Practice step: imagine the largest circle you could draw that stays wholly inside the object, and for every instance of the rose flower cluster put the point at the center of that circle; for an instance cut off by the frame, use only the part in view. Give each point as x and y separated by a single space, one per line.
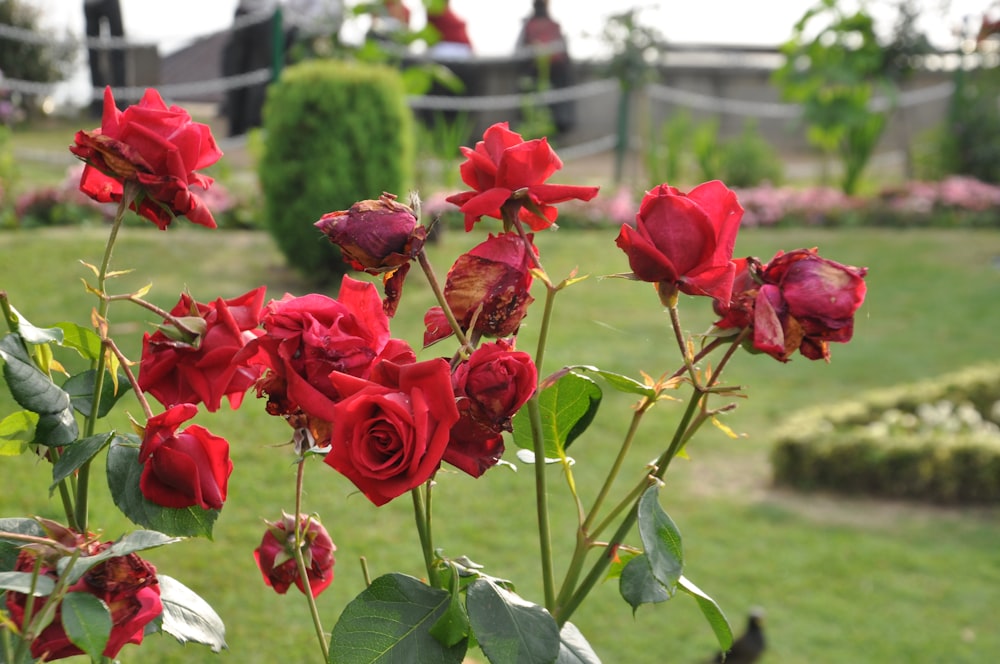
359 397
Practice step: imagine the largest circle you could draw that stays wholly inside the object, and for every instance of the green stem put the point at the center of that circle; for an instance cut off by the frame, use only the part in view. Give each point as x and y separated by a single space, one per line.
619 461
425 265
139 394
423 531
300 562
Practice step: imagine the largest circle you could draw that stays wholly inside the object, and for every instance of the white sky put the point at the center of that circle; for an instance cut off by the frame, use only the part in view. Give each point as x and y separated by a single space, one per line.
493 25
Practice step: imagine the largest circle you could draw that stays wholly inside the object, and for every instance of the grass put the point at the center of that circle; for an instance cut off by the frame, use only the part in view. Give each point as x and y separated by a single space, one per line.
842 580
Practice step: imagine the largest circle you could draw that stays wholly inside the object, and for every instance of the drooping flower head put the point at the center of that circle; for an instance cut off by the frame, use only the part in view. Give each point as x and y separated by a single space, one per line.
158 147
502 167
684 242
799 301
276 555
176 368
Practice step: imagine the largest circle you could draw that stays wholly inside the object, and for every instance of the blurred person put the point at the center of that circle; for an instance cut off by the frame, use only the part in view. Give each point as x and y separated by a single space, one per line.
250 48
103 19
453 42
543 43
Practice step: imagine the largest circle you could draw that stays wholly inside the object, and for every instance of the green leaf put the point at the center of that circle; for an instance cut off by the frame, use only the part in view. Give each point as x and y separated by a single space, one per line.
9 548
619 382
452 627
87 621
638 586
573 648
21 582
81 339
36 335
713 614
661 540
77 454
391 621
80 389
188 617
124 471
16 431
56 429
567 408
137 540
30 388
509 628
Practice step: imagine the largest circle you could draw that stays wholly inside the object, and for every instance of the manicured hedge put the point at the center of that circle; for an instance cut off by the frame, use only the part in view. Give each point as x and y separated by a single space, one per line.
935 441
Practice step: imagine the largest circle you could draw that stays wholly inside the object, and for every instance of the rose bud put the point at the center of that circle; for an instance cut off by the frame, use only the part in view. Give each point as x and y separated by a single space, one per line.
684 242
126 584
377 237
155 146
276 555
186 468
486 289
504 166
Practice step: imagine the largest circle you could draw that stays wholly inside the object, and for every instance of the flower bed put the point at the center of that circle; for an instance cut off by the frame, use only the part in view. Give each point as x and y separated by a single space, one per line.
936 441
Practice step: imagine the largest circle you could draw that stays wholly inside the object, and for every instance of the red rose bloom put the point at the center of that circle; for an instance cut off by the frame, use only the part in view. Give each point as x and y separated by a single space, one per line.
475 445
158 147
126 584
501 165
798 301
182 469
175 369
306 338
390 432
379 237
276 555
685 241
487 288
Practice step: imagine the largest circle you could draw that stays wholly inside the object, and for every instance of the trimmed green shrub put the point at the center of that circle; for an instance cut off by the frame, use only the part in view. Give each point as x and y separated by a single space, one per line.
936 441
336 132
749 160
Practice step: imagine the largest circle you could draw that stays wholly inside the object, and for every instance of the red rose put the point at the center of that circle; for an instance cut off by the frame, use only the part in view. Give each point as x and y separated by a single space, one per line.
487 289
503 164
306 338
158 147
175 369
182 469
497 380
379 237
798 301
126 584
390 432
685 241
276 555
475 445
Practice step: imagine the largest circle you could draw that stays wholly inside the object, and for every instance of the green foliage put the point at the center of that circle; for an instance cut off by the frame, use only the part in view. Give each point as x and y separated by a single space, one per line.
834 74
663 155
931 441
748 160
970 140
336 133
705 146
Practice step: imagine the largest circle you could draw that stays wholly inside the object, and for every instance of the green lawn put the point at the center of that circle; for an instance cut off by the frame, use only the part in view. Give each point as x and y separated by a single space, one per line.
841 580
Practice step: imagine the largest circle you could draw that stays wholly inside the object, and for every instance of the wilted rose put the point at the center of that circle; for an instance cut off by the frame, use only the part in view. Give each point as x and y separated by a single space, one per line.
800 301
685 241
126 584
158 147
487 289
504 164
183 468
389 433
178 369
276 555
379 237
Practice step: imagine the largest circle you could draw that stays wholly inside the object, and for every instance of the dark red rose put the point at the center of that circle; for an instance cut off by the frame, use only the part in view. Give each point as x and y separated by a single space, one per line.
276 555
685 241
307 338
156 146
502 165
799 301
379 237
487 289
126 584
497 380
177 369
186 468
475 445
390 432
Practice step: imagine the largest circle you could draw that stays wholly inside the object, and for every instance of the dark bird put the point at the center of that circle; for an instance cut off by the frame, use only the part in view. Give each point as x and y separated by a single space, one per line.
750 645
